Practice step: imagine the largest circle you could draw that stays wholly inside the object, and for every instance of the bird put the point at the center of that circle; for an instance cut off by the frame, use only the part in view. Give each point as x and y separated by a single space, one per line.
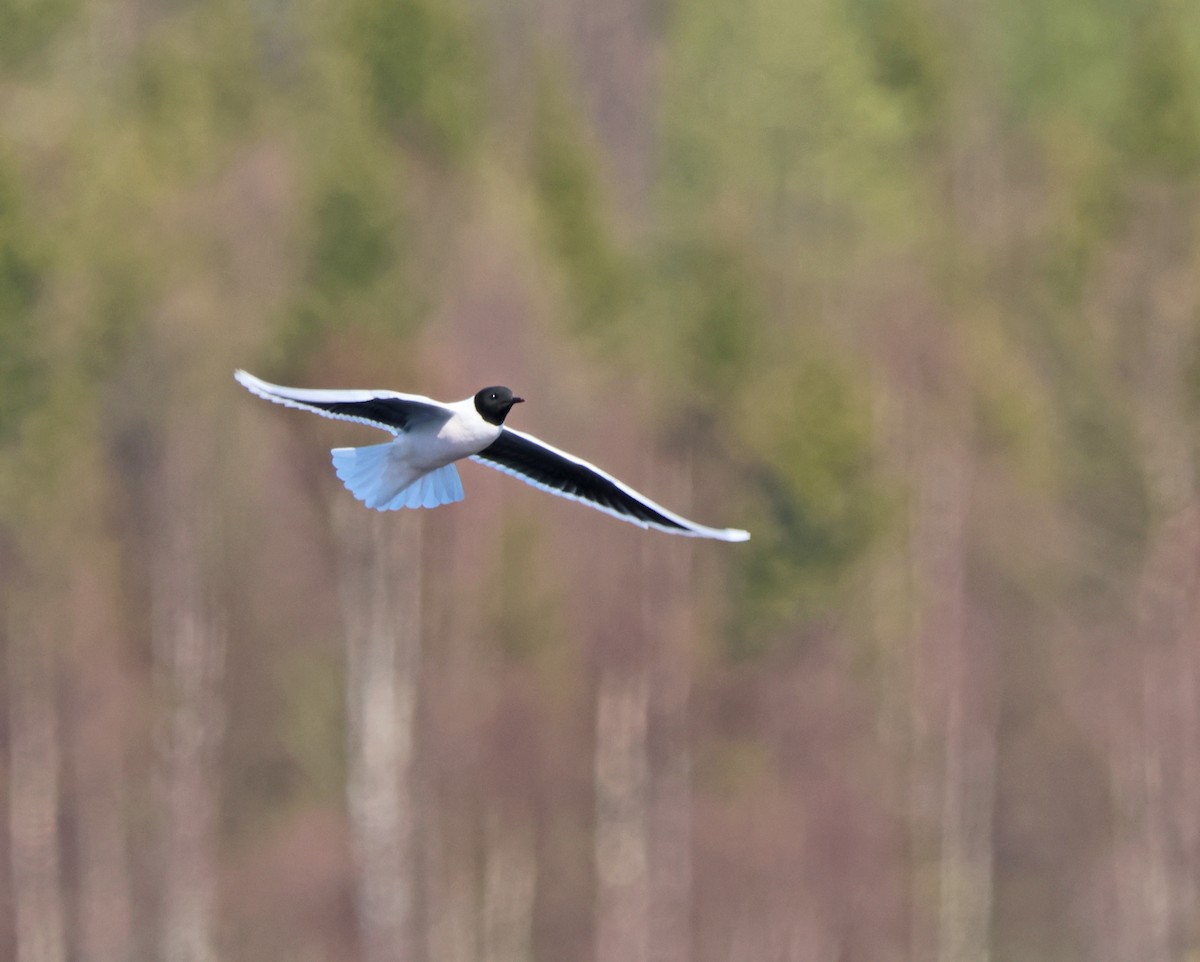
416 468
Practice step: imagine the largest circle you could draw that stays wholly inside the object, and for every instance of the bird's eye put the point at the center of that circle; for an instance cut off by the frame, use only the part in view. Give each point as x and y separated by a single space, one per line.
495 396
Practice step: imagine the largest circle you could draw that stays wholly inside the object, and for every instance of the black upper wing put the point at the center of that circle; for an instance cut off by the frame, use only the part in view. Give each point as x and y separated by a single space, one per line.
550 469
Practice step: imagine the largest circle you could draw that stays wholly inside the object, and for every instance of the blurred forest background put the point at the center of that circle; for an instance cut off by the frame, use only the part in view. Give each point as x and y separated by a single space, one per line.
909 288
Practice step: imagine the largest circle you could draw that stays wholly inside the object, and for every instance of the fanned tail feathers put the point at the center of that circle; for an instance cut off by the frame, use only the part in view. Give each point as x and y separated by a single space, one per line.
381 482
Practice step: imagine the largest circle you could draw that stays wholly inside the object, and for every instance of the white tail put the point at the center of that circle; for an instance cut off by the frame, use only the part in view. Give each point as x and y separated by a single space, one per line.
387 484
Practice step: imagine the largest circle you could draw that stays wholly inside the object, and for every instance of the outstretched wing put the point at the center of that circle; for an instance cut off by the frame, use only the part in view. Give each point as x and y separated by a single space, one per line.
545 467
388 410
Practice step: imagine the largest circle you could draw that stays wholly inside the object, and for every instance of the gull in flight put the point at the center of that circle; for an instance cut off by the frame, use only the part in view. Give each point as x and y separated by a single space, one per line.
416 468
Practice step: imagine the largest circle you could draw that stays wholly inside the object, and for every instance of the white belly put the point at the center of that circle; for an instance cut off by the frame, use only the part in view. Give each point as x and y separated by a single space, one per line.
458 437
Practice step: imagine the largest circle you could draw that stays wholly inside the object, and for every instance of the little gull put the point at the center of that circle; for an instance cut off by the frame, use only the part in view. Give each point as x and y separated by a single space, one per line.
416 468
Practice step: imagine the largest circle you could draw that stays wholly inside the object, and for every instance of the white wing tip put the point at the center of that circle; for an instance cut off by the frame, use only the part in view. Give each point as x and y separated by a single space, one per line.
735 534
250 382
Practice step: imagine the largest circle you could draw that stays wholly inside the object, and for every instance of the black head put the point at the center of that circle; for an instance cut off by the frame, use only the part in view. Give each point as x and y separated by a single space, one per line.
494 403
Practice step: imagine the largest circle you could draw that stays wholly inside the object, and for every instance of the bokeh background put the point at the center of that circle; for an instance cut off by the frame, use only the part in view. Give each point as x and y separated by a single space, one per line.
909 288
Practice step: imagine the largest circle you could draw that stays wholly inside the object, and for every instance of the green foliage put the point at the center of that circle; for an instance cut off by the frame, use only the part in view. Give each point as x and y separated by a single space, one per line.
354 265
27 28
1159 127
1105 486
422 67
572 207
721 340
1093 211
702 323
120 298
22 277
193 86
775 124
786 139
912 53
394 83
353 241
819 498
1054 58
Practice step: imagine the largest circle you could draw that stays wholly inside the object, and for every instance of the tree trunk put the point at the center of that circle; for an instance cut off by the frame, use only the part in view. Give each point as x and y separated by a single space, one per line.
189 655
381 595
1150 294
96 714
954 727
509 883
33 793
968 726
453 899
955 677
616 57
104 910
669 629
969 787
622 823
1155 769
